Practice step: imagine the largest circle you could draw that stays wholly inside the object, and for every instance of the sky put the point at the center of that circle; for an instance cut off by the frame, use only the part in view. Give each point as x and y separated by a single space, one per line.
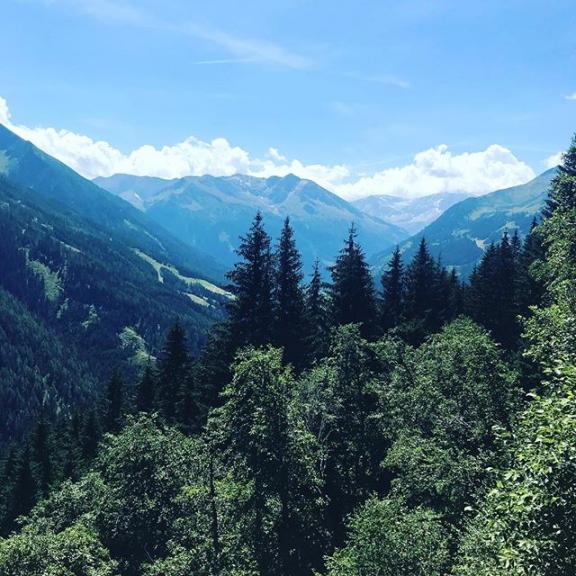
404 97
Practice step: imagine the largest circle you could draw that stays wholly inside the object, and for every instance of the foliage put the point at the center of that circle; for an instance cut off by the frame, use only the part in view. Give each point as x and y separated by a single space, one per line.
389 539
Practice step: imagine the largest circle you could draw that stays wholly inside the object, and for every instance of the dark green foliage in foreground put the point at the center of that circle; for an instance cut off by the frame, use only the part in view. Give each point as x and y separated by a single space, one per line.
398 444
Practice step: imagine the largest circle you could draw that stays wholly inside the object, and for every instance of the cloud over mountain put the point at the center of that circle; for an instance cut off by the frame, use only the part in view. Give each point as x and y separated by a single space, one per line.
432 171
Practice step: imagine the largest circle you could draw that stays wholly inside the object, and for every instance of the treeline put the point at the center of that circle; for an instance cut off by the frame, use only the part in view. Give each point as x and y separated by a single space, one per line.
335 429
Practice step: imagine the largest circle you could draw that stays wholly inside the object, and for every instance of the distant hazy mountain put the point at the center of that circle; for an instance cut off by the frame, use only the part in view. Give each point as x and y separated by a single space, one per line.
460 235
24 164
210 213
411 214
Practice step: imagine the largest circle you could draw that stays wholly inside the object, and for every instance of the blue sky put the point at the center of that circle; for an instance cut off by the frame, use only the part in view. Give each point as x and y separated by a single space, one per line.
345 92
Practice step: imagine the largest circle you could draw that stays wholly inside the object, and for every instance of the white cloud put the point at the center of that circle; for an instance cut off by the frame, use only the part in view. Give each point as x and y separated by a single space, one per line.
554 160
191 157
570 96
434 170
438 170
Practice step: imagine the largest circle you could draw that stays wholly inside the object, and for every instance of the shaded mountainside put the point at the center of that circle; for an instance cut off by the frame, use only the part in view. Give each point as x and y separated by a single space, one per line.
24 164
411 214
210 213
462 233
90 301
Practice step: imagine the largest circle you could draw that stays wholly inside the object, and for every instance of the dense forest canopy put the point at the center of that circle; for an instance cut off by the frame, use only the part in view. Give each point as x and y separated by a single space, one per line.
419 426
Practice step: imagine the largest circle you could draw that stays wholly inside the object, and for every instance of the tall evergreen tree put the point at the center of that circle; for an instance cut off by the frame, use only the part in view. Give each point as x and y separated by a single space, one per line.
393 291
91 432
173 367
530 287
491 298
422 302
23 494
562 196
352 296
114 403
289 333
146 390
251 312
316 317
42 455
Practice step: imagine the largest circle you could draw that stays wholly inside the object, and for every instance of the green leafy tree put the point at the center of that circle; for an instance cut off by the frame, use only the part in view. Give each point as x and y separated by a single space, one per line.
445 399
389 539
74 551
271 453
527 523
341 408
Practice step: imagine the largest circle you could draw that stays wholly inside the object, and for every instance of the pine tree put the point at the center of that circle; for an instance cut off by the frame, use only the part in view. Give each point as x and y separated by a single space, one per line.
393 292
559 232
251 312
562 196
454 301
23 494
289 333
192 409
173 367
41 455
491 298
352 296
91 432
422 302
316 317
146 391
114 403
530 286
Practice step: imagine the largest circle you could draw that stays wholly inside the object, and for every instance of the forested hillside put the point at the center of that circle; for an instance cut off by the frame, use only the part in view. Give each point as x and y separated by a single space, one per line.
419 427
75 302
462 233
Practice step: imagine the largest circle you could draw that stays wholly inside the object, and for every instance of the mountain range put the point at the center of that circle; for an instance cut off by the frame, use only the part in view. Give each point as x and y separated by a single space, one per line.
87 283
211 213
411 214
461 234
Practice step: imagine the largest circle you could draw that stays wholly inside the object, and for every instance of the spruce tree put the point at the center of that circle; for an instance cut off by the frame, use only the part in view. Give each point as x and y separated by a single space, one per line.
23 494
316 317
114 403
192 409
146 391
422 301
91 432
41 455
530 286
173 366
251 312
289 333
562 196
392 292
352 296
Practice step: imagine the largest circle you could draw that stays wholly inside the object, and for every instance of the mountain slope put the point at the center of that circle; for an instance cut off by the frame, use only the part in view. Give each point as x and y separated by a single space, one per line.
210 213
411 214
22 163
460 235
84 303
